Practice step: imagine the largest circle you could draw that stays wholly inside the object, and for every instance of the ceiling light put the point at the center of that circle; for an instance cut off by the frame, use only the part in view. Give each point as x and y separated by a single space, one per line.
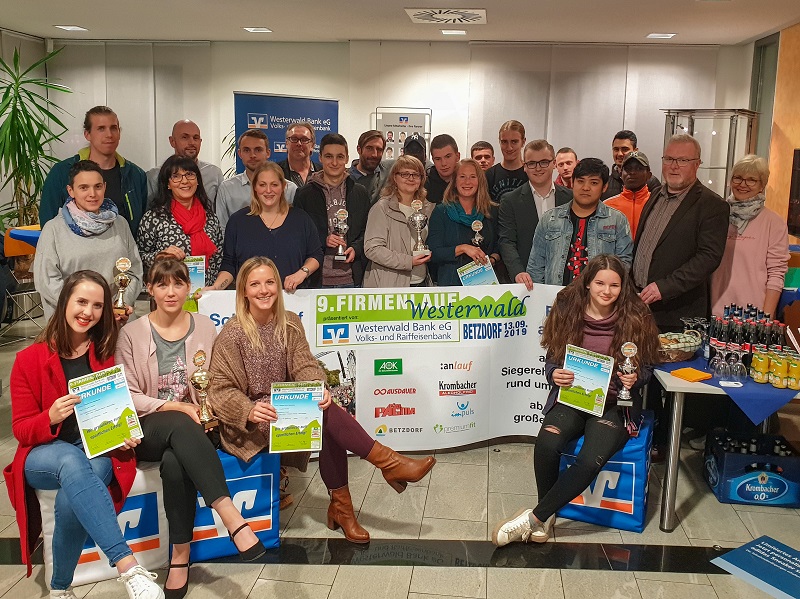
257 29
661 36
453 32
70 28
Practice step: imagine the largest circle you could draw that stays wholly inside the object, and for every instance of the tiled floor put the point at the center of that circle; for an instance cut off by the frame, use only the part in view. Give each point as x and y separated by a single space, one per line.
461 499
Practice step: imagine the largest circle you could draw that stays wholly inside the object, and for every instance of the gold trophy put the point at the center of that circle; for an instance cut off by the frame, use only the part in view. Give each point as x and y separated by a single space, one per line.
418 221
628 350
201 379
477 226
122 281
341 227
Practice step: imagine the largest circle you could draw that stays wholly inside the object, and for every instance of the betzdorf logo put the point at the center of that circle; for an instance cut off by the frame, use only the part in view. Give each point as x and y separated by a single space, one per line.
279 146
380 431
612 489
138 522
334 334
384 367
257 120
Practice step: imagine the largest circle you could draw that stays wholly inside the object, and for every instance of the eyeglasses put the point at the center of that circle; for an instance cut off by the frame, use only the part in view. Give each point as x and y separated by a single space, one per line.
669 161
541 164
299 140
749 181
410 176
176 177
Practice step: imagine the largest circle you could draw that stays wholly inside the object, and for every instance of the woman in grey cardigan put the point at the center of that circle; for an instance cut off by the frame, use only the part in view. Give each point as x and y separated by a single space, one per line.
88 233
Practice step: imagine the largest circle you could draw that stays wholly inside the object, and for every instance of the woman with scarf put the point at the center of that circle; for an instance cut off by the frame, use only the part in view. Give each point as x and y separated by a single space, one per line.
180 220
466 213
88 233
757 250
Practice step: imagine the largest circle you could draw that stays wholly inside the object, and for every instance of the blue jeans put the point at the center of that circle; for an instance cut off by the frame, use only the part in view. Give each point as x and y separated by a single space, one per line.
83 505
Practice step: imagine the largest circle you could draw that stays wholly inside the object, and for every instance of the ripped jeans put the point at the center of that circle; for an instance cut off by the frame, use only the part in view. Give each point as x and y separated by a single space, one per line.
603 437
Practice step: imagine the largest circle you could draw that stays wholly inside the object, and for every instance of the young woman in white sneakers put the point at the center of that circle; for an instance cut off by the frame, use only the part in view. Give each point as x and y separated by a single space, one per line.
79 339
599 311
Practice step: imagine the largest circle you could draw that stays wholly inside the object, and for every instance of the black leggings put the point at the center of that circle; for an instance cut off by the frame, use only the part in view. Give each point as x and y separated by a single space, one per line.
189 463
603 437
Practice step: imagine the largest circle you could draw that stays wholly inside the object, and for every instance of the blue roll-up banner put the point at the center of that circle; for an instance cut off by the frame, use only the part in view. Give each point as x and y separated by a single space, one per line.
272 114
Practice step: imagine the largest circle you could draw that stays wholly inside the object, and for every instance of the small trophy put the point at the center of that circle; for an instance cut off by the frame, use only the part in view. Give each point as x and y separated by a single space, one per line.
201 379
477 226
342 228
122 280
418 221
629 350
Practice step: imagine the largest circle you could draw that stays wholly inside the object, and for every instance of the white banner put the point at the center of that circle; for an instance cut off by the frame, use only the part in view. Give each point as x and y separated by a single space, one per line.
429 368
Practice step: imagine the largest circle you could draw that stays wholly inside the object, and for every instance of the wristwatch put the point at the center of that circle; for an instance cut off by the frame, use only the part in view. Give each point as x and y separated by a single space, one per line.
305 270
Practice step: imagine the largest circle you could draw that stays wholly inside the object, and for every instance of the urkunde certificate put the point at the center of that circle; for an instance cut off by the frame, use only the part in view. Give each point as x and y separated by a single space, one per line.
106 414
592 378
299 424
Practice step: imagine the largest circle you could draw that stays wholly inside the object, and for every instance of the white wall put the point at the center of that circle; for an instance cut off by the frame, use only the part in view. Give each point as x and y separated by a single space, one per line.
577 95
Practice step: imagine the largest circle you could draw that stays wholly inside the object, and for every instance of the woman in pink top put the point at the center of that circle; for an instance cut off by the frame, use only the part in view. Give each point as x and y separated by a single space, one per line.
757 250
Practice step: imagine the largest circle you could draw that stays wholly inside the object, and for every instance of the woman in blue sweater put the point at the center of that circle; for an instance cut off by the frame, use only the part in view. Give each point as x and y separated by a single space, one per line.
452 228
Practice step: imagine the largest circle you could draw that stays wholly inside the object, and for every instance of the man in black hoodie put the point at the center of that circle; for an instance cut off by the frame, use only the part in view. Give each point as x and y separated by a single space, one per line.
445 156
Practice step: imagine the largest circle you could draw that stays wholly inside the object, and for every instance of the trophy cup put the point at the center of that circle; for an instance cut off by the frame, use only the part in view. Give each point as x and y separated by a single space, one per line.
341 227
418 221
629 350
201 379
122 280
477 226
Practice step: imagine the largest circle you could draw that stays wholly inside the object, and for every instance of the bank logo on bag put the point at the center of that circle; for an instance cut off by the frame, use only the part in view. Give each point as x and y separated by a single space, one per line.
257 120
334 334
251 495
612 489
384 367
138 522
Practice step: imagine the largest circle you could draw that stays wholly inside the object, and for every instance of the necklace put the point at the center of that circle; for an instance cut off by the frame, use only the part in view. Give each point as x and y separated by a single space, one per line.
274 220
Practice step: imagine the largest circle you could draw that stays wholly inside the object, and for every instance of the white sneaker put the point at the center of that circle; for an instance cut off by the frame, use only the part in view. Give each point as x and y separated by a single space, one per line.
517 528
140 584
540 533
65 594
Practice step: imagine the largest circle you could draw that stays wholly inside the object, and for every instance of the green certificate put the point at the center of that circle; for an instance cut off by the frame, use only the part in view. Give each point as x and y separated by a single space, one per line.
299 424
592 377
106 414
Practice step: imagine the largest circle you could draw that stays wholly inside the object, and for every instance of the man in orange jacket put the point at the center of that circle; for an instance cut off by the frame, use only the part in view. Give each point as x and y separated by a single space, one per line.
635 174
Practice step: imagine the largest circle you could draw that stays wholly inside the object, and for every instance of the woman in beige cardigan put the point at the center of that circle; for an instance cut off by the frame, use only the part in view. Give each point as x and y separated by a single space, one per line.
157 352
264 344
389 240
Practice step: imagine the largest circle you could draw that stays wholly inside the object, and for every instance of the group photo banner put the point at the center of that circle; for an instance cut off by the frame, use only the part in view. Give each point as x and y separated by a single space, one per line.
273 113
426 368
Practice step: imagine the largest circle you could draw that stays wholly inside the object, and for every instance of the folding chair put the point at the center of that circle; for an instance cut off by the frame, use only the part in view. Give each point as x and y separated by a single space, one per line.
26 302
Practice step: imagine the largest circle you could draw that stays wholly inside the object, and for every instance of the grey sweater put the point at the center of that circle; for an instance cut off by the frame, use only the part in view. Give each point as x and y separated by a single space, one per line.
60 252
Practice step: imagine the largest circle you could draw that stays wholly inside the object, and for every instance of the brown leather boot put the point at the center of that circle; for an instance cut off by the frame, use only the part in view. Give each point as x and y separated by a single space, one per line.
398 470
340 513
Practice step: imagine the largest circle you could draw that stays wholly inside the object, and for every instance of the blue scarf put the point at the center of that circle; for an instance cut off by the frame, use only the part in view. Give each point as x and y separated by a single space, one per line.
455 212
88 224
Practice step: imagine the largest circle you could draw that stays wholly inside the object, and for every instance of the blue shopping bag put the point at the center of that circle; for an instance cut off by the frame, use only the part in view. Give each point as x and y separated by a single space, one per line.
617 498
254 491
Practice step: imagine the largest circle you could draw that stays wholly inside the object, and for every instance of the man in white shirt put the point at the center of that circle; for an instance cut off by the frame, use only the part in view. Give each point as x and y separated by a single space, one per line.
186 141
236 193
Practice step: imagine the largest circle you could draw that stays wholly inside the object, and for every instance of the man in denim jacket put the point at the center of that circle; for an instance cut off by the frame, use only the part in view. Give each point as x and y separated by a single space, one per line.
568 236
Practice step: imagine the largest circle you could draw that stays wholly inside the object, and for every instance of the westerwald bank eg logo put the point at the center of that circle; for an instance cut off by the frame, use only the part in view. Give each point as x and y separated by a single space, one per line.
386 366
257 120
334 334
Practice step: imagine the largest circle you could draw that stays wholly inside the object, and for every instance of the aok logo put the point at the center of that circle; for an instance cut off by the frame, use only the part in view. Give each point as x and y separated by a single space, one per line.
251 495
384 367
612 489
334 334
257 120
380 431
138 522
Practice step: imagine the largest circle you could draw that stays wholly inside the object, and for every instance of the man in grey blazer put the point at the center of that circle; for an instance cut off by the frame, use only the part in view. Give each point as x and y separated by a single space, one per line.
521 209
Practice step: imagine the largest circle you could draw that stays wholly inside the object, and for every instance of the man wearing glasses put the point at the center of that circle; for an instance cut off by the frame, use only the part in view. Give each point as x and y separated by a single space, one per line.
521 208
298 165
186 141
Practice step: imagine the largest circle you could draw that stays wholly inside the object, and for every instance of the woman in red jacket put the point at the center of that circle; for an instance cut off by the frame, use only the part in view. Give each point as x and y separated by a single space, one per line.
79 339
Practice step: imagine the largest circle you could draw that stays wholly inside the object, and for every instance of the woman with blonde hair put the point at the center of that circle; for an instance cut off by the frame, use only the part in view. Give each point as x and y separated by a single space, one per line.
264 344
466 208
389 239
756 254
270 227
